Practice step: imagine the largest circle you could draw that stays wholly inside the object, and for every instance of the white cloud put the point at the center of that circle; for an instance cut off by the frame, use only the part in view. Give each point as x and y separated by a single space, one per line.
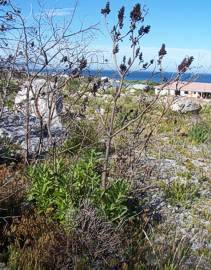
59 12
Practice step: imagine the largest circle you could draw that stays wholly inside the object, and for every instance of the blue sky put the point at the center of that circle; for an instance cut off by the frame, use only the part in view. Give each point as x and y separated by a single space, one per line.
184 26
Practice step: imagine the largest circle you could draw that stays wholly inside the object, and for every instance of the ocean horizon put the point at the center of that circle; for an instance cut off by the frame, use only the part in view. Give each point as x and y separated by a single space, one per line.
147 75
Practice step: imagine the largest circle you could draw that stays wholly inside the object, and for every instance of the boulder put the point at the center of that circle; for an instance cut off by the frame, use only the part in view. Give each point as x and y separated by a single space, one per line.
104 79
184 105
12 126
44 100
13 123
138 86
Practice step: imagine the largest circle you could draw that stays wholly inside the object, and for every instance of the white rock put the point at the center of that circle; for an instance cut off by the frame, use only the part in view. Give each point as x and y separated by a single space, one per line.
184 105
44 100
104 79
138 86
100 111
13 125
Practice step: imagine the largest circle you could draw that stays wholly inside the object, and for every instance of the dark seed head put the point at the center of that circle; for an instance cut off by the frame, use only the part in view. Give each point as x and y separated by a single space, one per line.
121 17
105 11
162 51
136 14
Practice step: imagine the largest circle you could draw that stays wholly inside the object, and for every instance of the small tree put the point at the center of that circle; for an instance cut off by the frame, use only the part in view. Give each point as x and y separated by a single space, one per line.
133 34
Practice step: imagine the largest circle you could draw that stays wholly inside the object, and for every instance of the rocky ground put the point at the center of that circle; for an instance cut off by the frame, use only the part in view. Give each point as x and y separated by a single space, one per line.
179 162
181 175
182 171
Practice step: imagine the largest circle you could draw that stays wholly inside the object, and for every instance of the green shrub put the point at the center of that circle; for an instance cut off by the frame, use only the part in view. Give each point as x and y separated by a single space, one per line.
180 193
84 179
49 188
59 188
199 133
114 201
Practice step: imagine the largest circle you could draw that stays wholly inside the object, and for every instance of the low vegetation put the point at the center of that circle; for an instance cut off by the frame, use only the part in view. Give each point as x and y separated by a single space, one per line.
126 183
199 133
180 193
74 221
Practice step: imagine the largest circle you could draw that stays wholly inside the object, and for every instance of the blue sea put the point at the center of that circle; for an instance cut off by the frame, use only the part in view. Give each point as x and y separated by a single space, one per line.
146 75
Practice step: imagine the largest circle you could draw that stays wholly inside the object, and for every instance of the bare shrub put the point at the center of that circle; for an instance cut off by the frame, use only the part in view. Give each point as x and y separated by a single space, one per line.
139 123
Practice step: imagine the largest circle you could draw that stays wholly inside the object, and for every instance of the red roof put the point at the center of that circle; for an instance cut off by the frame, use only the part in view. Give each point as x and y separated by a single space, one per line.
186 86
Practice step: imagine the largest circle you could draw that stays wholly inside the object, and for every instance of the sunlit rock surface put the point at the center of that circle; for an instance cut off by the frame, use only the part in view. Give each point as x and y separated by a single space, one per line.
45 104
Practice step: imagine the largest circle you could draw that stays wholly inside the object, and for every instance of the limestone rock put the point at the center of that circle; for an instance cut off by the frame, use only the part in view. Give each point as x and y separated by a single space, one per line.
138 86
184 105
44 101
43 95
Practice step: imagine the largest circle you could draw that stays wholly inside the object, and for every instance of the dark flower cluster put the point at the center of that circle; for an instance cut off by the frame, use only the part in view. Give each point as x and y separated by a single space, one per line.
2 28
129 61
121 17
141 57
144 30
3 2
134 34
137 52
162 52
134 41
75 73
82 63
10 58
105 11
123 68
185 64
136 14
9 16
95 87
116 49
64 59
116 34
147 65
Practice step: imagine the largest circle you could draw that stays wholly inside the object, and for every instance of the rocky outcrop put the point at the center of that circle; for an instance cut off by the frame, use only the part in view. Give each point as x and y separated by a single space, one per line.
184 105
12 126
44 99
45 104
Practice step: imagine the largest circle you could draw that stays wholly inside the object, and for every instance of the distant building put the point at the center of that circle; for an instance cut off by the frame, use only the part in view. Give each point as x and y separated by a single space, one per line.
186 89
